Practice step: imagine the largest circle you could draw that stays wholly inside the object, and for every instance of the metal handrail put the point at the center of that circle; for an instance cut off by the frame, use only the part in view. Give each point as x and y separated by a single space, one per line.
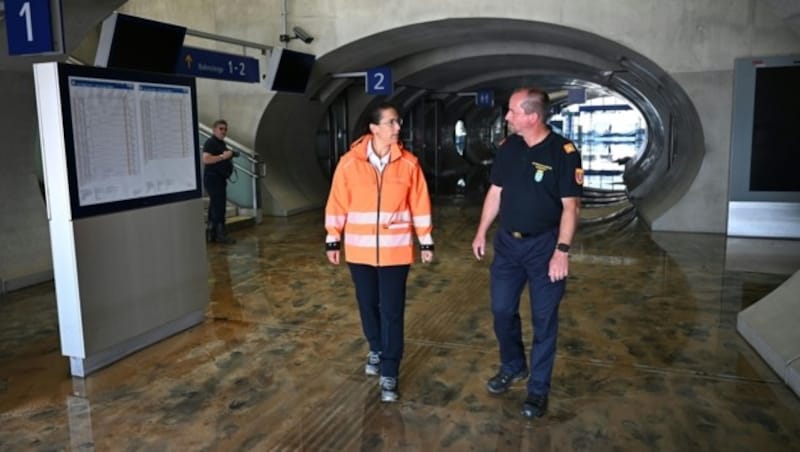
214 37
208 131
256 171
246 171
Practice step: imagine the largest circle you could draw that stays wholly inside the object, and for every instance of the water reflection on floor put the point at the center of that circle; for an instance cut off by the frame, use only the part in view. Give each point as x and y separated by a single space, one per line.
648 357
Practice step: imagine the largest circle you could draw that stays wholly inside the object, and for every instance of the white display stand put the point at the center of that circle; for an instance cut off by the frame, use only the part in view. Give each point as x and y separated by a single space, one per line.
134 273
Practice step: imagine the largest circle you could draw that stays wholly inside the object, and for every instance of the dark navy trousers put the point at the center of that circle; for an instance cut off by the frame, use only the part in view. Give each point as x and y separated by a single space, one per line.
381 295
217 198
517 261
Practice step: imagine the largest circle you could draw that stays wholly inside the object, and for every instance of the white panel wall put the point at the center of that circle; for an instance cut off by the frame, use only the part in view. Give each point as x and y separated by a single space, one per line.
125 279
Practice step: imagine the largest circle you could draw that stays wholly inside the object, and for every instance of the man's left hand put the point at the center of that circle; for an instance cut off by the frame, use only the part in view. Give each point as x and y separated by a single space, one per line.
559 266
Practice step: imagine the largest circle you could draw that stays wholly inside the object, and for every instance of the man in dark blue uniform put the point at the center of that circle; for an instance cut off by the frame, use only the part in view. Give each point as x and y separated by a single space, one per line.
536 184
218 166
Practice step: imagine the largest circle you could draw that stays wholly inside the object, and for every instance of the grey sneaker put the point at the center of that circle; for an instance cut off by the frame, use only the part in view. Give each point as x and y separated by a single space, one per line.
388 389
373 366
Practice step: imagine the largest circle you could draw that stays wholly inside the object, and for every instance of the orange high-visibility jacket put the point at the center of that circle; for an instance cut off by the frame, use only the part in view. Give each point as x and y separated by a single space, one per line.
377 212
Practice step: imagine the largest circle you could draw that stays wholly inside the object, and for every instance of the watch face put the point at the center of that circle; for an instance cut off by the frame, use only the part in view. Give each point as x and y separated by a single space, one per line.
563 247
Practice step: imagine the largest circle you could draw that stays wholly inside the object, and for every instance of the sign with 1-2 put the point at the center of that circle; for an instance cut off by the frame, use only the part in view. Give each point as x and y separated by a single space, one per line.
29 26
379 81
211 64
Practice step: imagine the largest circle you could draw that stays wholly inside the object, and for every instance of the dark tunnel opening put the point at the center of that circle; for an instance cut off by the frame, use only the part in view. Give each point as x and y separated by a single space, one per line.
437 65
456 138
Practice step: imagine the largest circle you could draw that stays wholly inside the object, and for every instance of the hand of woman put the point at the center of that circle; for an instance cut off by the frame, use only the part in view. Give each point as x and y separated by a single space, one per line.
333 256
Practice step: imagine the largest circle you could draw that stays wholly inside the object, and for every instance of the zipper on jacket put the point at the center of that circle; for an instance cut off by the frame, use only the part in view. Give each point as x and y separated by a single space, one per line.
379 176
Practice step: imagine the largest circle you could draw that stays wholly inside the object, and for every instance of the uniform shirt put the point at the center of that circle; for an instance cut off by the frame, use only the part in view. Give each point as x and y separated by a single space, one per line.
534 179
215 146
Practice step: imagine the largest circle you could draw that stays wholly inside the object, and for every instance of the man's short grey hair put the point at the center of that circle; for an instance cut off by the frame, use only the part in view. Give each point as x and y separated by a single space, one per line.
536 101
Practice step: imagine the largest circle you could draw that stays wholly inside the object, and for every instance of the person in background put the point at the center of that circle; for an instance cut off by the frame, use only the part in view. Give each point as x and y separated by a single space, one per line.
378 199
536 184
217 167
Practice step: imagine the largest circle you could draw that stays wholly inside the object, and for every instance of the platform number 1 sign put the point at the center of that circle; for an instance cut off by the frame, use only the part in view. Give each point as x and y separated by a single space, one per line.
30 26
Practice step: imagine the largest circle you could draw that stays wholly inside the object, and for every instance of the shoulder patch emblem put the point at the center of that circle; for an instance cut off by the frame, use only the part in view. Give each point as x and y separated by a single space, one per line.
569 148
579 176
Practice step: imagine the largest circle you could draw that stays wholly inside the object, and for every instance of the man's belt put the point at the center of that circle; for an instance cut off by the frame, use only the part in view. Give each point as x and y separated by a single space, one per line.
520 235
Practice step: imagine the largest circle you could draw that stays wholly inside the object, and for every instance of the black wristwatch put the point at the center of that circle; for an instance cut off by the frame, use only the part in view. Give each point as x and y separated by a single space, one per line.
563 247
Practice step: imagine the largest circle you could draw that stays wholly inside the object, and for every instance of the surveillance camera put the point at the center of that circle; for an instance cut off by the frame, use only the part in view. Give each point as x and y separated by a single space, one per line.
303 35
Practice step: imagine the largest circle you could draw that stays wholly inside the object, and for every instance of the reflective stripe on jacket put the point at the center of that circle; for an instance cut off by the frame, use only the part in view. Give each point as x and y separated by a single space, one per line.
378 212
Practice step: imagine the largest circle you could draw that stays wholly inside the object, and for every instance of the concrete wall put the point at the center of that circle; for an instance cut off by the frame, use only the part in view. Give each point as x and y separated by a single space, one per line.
242 104
24 238
695 41
704 207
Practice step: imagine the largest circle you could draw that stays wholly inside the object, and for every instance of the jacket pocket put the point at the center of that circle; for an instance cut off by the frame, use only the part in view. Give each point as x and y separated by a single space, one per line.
398 226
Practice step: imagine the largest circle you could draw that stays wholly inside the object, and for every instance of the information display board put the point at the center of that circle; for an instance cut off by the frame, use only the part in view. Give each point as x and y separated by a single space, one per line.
130 139
764 156
130 42
288 71
764 192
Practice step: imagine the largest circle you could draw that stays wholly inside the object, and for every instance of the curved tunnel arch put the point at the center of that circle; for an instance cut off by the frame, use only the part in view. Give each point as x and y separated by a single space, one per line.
500 54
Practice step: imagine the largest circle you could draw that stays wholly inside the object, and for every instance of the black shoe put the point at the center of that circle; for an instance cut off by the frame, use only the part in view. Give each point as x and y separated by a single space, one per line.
221 236
534 406
503 380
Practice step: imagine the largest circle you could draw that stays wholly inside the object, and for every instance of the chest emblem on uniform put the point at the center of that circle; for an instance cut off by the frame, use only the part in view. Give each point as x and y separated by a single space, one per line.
540 170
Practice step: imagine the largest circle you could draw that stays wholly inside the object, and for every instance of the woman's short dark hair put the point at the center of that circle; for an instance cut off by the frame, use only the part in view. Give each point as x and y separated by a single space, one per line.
374 116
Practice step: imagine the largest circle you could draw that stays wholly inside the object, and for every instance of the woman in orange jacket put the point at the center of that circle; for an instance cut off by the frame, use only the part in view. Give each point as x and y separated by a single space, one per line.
378 198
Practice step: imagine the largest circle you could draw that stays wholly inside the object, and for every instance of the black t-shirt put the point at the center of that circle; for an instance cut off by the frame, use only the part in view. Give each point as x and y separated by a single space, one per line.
534 179
215 146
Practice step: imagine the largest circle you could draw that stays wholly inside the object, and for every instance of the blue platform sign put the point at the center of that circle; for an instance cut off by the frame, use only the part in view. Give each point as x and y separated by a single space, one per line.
484 98
379 81
224 66
29 26
576 96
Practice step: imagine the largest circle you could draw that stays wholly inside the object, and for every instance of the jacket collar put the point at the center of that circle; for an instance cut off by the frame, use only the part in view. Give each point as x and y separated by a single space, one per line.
359 148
